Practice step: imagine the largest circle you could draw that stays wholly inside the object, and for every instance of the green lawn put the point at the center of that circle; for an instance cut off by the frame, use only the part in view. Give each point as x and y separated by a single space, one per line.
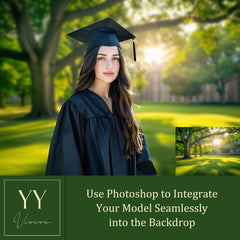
24 144
209 165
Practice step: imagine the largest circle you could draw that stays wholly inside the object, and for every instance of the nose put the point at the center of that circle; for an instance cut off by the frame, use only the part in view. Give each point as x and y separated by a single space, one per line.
110 64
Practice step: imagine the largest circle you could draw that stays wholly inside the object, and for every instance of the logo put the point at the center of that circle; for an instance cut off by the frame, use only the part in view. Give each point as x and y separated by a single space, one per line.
32 207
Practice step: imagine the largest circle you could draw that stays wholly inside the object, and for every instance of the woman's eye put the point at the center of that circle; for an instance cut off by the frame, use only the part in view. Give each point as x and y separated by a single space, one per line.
100 58
116 59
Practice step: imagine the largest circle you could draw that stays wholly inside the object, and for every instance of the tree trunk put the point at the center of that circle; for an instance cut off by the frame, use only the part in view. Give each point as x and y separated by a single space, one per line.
22 97
221 90
200 149
187 154
195 149
186 141
42 90
222 97
2 105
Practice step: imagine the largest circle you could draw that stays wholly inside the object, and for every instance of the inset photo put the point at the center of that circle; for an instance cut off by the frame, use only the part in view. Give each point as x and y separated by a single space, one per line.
204 151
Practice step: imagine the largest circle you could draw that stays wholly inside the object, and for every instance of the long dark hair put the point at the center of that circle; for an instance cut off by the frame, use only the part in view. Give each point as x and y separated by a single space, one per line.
121 94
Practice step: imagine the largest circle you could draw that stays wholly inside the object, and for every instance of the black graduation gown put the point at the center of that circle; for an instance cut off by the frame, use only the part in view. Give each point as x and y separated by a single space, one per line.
88 140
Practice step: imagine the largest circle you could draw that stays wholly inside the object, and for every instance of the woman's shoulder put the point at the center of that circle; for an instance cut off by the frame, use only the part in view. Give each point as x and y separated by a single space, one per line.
78 98
87 104
78 102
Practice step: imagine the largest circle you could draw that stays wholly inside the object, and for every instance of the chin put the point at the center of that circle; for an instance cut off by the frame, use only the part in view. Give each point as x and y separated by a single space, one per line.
109 80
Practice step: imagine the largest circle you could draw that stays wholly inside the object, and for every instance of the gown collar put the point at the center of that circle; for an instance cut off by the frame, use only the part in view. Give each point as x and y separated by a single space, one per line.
106 107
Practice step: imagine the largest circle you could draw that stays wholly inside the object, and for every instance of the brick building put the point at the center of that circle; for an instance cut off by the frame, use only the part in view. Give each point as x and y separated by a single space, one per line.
156 90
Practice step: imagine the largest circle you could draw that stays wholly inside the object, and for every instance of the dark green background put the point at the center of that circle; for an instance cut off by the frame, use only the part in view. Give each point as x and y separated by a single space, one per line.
82 220
48 212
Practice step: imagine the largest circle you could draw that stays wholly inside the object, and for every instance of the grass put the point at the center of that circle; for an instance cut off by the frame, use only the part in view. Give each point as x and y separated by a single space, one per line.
209 165
24 144
159 120
13 111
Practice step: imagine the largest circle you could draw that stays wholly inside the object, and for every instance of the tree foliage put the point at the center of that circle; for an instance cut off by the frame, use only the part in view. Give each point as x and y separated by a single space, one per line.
188 137
211 55
231 143
40 29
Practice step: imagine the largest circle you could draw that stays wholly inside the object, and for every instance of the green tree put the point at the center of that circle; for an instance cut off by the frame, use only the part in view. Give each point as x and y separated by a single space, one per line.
22 86
7 81
232 142
39 27
15 76
210 56
184 73
200 146
189 136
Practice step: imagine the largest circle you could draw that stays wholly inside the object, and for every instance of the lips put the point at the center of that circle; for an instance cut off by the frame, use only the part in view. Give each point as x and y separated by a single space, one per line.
108 74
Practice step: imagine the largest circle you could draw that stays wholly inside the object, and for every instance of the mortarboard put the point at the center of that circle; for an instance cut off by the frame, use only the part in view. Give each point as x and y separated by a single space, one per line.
106 32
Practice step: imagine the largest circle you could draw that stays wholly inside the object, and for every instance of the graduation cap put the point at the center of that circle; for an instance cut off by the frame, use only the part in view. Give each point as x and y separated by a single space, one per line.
106 32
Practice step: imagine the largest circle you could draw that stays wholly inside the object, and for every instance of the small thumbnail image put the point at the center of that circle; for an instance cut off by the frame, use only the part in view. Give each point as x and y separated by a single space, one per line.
204 151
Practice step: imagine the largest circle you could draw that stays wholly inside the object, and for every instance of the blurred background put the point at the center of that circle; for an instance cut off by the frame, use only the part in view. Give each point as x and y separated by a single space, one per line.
186 74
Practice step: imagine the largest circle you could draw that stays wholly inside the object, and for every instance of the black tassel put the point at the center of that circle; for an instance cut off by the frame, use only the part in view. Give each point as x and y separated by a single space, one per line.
134 51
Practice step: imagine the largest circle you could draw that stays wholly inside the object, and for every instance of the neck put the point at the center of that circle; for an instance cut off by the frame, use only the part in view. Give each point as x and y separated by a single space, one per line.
101 88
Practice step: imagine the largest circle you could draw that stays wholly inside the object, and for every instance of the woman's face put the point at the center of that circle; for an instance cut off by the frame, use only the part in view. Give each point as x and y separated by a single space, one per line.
107 64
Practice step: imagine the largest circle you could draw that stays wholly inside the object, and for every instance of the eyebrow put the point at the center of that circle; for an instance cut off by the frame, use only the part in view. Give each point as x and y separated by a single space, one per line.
117 54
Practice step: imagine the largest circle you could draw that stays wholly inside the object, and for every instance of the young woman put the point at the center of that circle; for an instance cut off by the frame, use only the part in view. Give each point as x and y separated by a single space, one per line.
96 132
